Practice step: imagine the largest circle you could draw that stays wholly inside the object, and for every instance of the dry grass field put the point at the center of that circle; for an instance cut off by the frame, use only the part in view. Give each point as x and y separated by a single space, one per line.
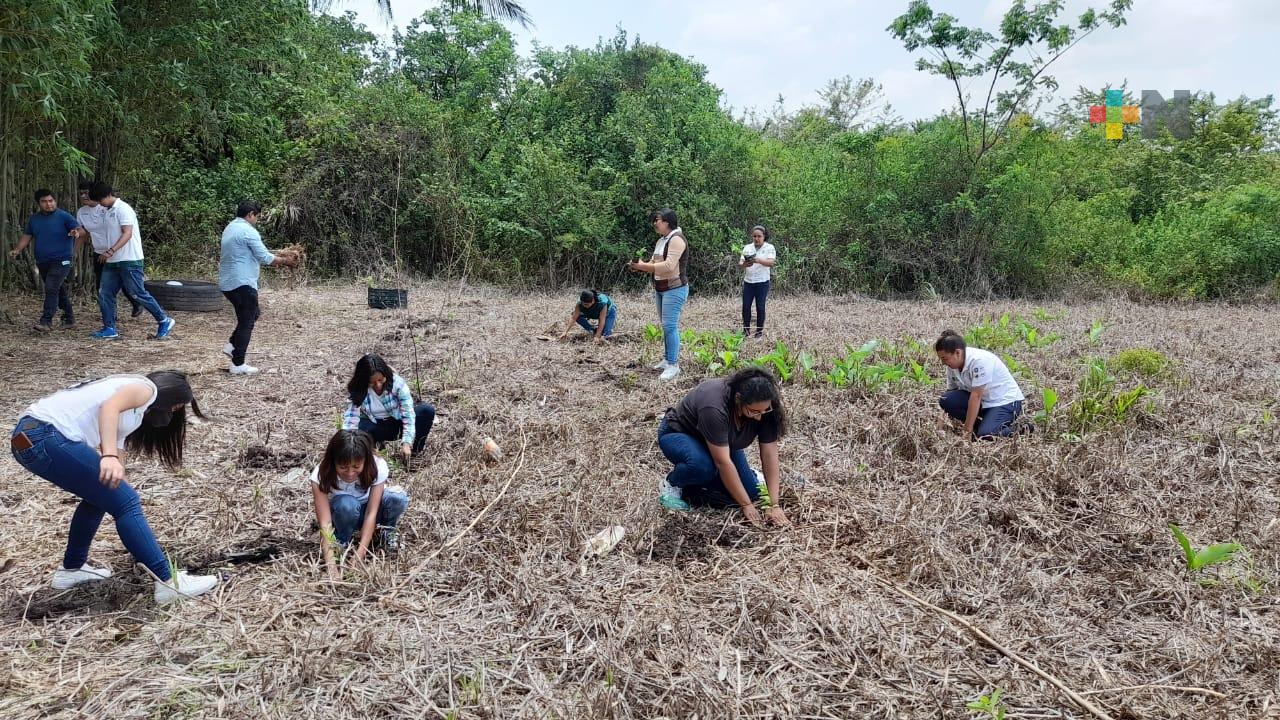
909 546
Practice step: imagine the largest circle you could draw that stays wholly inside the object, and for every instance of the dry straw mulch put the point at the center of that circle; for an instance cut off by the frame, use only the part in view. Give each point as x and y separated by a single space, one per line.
1057 551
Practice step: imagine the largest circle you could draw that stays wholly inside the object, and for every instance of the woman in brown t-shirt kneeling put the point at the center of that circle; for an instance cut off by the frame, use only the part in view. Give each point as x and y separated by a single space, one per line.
705 436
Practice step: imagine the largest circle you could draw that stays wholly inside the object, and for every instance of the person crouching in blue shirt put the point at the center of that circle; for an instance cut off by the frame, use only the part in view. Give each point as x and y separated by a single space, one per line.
242 256
57 246
595 313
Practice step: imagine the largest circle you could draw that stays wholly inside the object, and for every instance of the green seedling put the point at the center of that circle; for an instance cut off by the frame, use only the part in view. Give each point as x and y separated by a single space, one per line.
1049 401
1198 559
1034 337
1014 366
652 333
919 374
1100 405
781 360
808 366
1095 332
989 706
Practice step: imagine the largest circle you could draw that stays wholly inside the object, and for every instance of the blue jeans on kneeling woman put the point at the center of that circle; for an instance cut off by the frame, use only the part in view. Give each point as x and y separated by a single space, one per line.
696 474
609 318
998 421
348 512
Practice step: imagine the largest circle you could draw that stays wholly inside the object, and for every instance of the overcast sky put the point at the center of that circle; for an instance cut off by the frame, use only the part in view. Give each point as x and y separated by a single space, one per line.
756 50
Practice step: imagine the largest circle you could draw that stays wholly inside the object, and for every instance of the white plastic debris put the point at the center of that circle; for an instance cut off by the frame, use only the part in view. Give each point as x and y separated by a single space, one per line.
605 541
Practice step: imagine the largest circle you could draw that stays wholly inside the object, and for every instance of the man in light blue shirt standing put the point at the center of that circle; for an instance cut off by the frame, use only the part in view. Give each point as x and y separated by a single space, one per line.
243 254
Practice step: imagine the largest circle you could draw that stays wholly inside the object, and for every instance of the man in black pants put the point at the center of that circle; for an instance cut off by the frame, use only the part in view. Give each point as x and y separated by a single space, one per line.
52 228
243 254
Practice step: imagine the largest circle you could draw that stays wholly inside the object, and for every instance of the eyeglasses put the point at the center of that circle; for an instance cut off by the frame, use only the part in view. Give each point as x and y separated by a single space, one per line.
757 414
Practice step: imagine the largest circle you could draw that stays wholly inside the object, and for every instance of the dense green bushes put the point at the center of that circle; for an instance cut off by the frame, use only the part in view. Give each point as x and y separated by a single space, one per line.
446 153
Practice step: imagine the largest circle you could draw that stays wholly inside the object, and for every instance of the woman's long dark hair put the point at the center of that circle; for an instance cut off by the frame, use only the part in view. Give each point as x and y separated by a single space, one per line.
163 432
348 446
365 368
755 384
593 295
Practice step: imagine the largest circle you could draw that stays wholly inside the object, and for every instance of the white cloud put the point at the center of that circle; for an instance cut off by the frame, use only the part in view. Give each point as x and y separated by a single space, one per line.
757 49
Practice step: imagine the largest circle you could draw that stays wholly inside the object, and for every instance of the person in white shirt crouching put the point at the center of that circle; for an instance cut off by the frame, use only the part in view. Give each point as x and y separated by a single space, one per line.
981 392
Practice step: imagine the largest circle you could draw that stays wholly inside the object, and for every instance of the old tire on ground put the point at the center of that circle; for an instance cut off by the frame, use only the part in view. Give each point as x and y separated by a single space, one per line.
190 296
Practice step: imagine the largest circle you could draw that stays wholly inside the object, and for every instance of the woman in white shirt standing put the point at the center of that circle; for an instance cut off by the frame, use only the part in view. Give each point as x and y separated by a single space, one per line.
757 257
981 392
76 440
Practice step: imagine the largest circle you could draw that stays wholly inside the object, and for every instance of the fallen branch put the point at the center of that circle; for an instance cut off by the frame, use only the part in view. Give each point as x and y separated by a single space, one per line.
1175 688
412 574
977 632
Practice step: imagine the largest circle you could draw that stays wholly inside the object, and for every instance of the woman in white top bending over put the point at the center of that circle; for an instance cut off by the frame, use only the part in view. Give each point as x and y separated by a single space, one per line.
981 392
76 439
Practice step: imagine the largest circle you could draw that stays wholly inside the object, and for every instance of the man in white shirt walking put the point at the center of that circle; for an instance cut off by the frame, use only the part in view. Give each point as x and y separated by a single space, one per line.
90 217
122 263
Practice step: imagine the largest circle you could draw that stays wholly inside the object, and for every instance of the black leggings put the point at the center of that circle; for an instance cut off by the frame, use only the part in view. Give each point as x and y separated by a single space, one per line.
757 293
383 431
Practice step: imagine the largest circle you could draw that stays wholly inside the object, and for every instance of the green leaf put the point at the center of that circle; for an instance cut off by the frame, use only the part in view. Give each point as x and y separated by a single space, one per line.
1220 552
1050 397
1187 552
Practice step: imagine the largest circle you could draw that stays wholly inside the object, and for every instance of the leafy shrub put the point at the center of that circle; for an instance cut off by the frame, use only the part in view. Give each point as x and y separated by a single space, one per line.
1100 404
1141 361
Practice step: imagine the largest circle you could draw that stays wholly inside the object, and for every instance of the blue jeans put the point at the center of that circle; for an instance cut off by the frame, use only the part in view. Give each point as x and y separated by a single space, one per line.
757 293
73 466
56 278
384 431
670 303
609 319
695 473
115 277
992 422
348 513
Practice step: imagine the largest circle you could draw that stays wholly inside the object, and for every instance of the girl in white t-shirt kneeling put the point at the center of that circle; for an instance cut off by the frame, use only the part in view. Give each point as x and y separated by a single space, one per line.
981 392
351 493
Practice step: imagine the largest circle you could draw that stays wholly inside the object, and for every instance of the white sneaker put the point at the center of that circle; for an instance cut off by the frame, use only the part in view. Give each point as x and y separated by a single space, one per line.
670 372
245 369
662 365
228 349
64 578
183 586
670 497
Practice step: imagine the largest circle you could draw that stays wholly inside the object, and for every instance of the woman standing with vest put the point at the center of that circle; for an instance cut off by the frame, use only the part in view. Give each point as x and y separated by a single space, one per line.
669 266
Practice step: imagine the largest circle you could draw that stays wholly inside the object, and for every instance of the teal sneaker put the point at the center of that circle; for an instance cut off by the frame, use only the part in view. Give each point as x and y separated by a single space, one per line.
670 497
